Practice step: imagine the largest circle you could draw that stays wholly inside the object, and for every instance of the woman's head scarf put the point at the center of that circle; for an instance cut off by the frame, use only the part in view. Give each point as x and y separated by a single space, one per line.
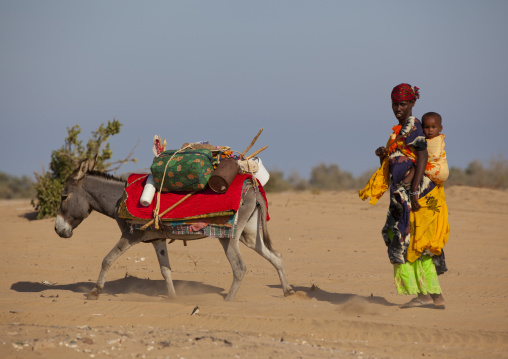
405 92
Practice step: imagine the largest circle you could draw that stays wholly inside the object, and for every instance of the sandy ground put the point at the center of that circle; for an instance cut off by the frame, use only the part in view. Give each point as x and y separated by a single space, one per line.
345 304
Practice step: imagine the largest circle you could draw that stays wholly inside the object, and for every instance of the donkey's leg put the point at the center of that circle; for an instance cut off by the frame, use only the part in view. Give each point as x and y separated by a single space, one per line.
231 246
252 237
120 248
237 264
162 255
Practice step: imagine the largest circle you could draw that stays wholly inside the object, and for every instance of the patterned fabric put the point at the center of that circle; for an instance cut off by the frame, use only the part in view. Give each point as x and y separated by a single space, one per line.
405 92
216 227
437 165
417 277
404 146
212 231
182 170
396 231
403 153
440 263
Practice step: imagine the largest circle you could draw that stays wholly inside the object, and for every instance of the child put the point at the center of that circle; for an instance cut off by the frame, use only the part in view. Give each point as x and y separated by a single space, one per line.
437 166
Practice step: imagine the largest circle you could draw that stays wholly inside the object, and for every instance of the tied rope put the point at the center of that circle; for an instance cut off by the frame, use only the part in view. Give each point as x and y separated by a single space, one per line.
249 170
157 216
156 212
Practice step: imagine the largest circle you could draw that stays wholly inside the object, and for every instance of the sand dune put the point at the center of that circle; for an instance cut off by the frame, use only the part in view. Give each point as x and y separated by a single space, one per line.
345 304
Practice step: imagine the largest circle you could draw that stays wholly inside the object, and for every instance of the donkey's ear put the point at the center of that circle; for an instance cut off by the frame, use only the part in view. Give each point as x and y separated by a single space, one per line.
81 171
92 162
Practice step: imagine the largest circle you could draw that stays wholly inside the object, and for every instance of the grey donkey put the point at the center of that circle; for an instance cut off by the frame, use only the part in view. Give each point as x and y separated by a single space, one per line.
88 190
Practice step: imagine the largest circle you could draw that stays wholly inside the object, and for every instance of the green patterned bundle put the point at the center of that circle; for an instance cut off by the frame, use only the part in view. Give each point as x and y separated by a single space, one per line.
185 170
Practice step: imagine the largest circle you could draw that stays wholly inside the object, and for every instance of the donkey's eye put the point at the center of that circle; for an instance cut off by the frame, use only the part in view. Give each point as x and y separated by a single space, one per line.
64 197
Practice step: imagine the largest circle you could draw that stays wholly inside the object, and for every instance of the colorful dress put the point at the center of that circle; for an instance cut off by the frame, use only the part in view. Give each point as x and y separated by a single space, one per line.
414 240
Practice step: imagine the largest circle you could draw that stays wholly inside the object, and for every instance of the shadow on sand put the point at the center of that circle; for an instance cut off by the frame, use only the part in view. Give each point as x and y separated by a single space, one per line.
338 298
157 288
31 216
127 285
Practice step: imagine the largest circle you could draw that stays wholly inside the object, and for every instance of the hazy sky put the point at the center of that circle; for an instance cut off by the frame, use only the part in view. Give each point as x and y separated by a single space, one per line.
316 75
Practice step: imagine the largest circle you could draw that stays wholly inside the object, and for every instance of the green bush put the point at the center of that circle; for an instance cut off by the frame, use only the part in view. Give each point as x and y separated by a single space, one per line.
64 161
48 191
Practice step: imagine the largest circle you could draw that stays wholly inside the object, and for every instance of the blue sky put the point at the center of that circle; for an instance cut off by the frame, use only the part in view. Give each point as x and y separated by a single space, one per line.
316 75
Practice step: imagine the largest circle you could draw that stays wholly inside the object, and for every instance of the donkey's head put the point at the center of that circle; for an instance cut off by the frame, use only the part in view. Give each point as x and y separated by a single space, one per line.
74 205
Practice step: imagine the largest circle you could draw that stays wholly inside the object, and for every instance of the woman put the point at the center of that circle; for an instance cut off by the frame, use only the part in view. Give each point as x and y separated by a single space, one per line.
416 227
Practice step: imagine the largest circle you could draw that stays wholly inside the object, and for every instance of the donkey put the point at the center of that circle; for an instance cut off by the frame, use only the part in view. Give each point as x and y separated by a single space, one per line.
89 190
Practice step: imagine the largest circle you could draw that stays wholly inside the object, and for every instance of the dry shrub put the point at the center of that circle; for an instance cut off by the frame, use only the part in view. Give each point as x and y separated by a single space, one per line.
494 175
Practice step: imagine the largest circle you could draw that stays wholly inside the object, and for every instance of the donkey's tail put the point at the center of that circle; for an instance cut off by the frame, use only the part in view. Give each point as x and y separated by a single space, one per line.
262 224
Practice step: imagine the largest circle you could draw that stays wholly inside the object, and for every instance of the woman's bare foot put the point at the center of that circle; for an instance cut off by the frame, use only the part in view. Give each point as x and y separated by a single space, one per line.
439 302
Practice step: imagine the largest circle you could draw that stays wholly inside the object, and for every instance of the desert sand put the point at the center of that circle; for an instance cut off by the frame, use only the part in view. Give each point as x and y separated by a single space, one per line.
345 304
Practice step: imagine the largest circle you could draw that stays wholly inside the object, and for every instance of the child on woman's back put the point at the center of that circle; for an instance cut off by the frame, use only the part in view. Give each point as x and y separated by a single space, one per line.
437 166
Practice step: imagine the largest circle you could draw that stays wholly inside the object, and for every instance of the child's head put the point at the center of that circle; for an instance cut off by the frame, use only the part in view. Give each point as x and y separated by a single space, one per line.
431 123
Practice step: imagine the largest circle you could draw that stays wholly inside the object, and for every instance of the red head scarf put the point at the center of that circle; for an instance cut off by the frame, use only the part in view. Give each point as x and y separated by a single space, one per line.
405 92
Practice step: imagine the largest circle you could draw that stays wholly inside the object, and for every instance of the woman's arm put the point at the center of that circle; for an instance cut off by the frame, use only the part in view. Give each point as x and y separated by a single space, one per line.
421 163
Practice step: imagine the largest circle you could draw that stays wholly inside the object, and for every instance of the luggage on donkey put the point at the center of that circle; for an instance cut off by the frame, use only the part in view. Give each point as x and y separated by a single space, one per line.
182 170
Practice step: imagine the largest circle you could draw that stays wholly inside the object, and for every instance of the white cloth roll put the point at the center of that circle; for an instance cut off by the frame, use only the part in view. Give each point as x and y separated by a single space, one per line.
148 192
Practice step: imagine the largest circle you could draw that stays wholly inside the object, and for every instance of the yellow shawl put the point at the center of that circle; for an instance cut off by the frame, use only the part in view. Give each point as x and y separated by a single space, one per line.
379 182
429 226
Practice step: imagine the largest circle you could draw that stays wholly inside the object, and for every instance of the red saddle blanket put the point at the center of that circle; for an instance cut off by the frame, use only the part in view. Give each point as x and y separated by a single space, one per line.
206 203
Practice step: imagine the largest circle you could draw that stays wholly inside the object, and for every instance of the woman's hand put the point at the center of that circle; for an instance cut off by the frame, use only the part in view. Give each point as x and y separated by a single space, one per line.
413 197
381 152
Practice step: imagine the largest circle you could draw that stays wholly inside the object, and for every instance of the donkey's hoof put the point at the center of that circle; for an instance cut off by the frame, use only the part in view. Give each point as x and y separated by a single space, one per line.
93 295
289 292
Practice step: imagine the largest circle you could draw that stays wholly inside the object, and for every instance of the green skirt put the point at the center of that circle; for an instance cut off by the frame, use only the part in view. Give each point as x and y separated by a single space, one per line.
417 277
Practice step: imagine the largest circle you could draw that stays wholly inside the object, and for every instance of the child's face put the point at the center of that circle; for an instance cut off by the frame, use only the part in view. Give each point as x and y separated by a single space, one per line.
431 127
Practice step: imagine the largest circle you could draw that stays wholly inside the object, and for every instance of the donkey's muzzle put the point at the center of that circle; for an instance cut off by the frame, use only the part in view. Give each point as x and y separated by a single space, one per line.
62 228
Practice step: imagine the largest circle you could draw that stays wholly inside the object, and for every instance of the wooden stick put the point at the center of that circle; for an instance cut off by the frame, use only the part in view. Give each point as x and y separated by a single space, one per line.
258 151
169 209
253 142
